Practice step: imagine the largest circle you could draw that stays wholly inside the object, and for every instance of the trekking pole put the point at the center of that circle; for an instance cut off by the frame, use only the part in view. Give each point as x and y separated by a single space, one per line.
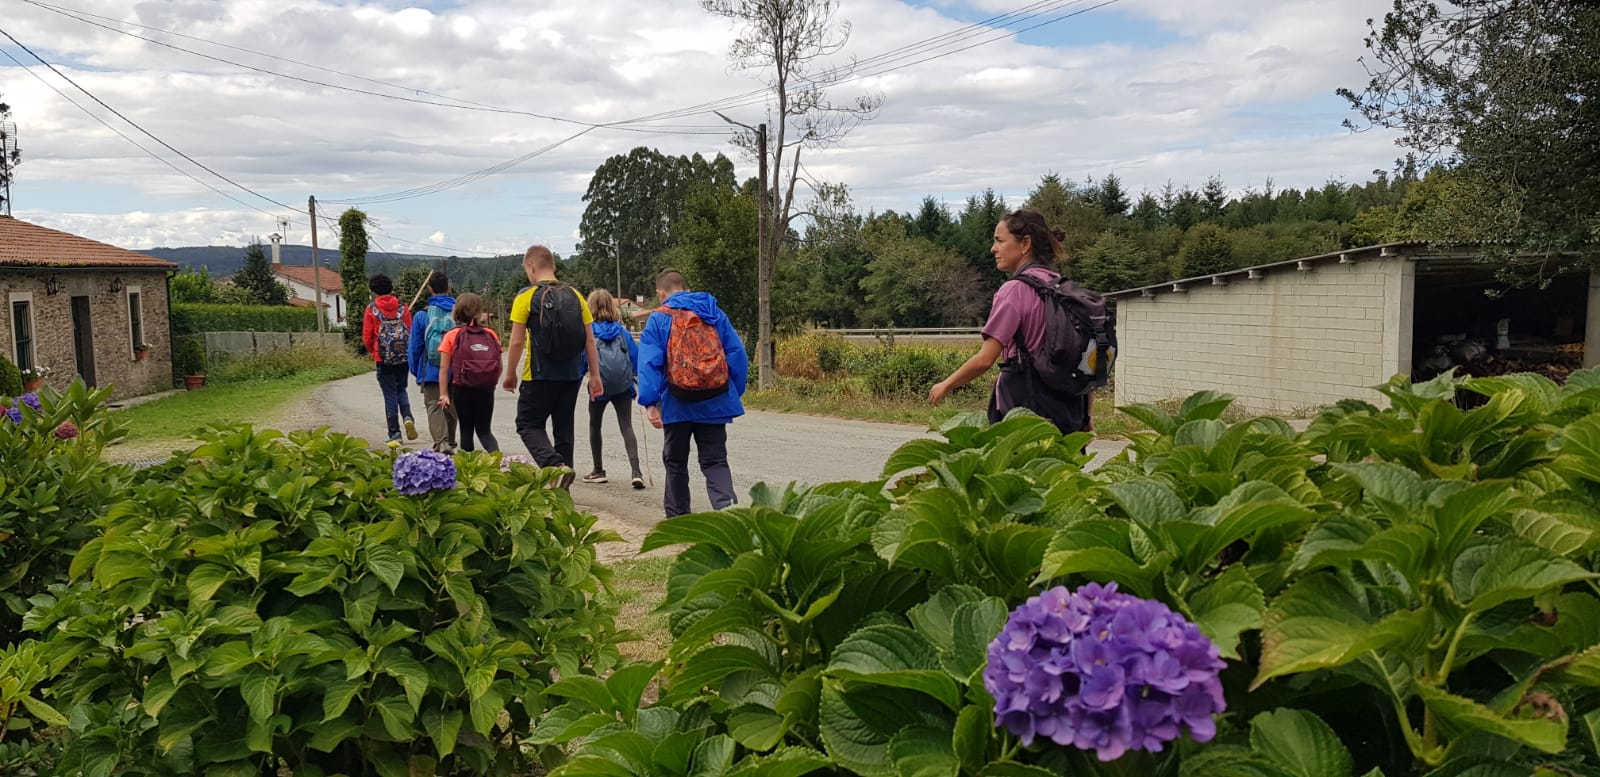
644 438
424 285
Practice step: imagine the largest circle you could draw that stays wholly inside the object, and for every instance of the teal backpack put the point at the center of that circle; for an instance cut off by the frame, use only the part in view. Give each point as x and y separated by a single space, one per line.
439 322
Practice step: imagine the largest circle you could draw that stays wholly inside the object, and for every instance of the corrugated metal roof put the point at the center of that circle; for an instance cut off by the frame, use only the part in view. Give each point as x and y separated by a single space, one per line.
1385 251
29 245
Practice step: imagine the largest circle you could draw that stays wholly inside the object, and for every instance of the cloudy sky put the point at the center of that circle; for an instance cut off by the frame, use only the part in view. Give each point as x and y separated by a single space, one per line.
1153 90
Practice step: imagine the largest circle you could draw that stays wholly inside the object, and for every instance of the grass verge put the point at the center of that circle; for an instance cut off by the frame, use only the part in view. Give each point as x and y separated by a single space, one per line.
641 587
234 395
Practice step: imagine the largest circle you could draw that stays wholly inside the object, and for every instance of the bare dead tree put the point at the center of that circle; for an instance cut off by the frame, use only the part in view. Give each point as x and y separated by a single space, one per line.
789 43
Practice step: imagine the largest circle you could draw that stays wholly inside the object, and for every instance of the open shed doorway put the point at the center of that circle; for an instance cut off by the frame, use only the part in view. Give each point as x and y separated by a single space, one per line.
1465 319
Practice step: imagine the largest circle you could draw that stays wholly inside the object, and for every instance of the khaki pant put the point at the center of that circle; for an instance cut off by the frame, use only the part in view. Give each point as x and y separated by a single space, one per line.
441 420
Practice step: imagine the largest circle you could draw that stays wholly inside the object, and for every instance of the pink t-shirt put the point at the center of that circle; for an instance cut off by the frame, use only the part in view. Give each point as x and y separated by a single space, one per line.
1017 306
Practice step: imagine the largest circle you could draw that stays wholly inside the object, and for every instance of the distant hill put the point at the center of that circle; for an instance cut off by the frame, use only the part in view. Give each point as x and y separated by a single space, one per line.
469 272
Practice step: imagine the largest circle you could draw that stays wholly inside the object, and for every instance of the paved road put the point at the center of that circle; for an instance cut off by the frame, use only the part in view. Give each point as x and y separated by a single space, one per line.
775 448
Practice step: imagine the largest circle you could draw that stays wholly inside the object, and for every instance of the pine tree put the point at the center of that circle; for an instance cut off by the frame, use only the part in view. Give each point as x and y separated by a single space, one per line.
1112 199
255 278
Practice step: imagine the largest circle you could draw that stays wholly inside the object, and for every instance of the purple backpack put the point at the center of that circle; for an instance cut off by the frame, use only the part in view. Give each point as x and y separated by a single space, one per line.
1080 337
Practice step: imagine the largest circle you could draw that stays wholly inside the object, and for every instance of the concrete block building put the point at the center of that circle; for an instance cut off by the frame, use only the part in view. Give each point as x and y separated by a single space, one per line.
81 307
1294 336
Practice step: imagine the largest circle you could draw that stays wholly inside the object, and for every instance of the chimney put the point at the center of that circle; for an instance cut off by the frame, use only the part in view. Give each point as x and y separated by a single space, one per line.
277 259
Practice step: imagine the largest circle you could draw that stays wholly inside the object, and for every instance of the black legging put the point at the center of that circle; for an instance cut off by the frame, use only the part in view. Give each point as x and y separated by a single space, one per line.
474 411
623 403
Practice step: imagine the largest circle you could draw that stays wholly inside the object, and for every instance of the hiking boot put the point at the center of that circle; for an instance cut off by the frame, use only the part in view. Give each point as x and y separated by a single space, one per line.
638 482
411 429
596 476
565 481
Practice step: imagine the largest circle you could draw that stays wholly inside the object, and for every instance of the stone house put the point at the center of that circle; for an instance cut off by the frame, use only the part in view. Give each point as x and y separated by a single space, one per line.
301 278
79 307
1294 336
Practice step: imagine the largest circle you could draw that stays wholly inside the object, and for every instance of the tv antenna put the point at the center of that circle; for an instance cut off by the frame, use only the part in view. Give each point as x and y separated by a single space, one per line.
8 152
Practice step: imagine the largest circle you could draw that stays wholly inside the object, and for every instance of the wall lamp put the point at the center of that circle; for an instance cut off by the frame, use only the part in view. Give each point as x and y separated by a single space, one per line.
52 285
116 284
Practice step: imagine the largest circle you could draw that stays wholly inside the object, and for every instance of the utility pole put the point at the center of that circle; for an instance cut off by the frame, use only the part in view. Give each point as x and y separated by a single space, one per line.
316 268
766 260
765 265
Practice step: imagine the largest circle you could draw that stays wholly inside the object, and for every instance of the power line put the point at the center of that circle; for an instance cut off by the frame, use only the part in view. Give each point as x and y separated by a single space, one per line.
124 136
467 106
136 125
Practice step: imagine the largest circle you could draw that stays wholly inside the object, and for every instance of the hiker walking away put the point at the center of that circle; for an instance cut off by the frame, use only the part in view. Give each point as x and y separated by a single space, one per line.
1057 338
386 332
692 371
469 366
619 363
551 320
428 329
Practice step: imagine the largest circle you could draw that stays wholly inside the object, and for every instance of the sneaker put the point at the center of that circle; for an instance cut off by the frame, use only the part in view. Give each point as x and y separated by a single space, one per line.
638 482
565 481
411 429
595 477
395 438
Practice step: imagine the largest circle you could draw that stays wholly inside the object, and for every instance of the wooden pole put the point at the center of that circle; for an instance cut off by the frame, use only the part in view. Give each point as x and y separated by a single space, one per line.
424 285
765 264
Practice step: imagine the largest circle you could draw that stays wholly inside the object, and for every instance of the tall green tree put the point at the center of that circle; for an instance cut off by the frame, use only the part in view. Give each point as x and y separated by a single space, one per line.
1111 197
634 201
10 157
1206 250
911 282
976 229
353 246
257 281
193 285
1112 263
789 42
1508 91
715 248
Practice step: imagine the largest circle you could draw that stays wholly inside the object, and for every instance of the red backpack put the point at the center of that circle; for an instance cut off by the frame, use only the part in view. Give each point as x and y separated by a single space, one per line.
476 361
697 369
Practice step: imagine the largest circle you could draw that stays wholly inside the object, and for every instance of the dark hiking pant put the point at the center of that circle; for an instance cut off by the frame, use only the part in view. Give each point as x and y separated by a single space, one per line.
474 410
623 404
711 443
396 405
550 401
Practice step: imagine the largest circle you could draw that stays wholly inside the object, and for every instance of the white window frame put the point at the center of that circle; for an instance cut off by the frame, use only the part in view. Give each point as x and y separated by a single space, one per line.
127 305
33 324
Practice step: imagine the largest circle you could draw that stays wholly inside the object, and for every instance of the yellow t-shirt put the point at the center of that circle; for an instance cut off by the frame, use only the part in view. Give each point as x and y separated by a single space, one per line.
522 310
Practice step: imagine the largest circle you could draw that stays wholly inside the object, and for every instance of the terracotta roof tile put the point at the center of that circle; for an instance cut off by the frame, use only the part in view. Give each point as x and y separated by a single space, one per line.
302 273
29 245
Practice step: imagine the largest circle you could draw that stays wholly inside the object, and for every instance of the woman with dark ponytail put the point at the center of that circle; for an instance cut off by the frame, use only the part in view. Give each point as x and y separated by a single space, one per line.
1023 243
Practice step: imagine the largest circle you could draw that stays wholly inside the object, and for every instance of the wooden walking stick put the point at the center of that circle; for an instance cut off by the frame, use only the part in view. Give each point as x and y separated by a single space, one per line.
424 285
644 439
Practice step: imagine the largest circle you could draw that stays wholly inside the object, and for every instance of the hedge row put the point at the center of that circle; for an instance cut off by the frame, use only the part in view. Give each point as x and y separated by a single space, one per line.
195 318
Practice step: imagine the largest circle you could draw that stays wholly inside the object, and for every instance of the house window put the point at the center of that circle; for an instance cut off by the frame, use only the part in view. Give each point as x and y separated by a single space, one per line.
135 318
22 330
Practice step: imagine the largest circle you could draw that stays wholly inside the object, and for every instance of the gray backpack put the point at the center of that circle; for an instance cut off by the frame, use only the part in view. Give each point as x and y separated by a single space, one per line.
616 369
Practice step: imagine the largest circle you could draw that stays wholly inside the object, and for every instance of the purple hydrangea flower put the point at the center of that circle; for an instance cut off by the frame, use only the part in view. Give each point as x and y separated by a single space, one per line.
1104 671
66 431
13 414
31 400
423 471
515 458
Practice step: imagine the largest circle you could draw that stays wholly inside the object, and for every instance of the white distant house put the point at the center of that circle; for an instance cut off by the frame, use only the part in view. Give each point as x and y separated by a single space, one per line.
303 293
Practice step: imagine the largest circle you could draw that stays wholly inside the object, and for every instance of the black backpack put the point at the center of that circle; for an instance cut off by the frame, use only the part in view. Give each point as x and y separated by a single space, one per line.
1080 337
556 321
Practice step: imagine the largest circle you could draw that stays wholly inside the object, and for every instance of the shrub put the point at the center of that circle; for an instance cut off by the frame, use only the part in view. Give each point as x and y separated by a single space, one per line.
191 357
10 378
907 372
268 603
53 485
193 319
1407 591
286 362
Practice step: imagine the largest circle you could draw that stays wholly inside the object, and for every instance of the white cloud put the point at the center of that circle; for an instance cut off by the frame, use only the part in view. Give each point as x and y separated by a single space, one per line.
1229 97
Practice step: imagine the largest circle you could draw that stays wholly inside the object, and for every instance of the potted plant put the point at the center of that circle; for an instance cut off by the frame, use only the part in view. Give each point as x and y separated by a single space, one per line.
141 350
33 377
192 364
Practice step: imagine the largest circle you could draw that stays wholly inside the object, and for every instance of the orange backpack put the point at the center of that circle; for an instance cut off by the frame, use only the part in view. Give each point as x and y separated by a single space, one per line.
697 369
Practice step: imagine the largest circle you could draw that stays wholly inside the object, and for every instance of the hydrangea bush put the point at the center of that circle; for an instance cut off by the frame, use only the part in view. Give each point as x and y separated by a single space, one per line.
419 472
1104 671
